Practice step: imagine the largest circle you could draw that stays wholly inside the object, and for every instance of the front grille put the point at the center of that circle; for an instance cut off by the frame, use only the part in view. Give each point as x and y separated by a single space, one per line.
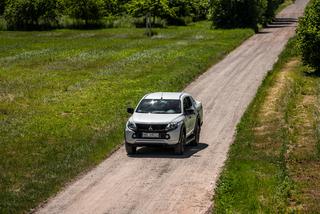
151 127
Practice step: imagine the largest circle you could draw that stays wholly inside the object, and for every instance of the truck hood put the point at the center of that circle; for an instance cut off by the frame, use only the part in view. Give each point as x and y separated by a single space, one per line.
154 118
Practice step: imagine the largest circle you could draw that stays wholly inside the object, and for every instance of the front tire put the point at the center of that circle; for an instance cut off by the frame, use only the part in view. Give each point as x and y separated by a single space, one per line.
130 149
179 148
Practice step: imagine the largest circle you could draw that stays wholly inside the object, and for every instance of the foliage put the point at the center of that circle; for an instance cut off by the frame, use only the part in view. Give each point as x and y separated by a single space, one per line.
24 14
154 8
30 14
115 7
195 9
2 6
270 10
242 13
309 35
88 10
234 13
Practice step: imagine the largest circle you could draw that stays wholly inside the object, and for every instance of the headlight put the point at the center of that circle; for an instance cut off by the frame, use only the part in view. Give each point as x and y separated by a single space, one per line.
172 126
132 126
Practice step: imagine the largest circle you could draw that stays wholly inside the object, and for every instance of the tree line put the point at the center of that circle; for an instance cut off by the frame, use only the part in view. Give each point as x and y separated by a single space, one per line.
31 14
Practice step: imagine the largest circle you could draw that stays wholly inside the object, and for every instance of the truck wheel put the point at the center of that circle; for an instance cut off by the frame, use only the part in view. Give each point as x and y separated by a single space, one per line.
179 148
197 130
130 149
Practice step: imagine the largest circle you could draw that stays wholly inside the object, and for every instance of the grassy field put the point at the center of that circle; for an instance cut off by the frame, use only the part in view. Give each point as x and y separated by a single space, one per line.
64 93
273 166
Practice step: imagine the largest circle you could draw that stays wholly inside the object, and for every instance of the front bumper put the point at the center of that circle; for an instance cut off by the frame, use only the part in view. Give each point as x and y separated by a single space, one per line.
138 141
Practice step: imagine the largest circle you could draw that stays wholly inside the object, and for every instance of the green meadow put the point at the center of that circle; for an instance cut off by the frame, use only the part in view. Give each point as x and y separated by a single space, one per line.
64 93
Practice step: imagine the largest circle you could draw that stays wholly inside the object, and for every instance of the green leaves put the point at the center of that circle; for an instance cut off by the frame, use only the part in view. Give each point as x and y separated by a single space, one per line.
242 13
32 14
309 35
25 14
159 8
88 10
2 6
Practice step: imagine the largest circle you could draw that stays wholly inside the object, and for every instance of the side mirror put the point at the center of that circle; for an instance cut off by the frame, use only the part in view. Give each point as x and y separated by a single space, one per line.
130 110
190 111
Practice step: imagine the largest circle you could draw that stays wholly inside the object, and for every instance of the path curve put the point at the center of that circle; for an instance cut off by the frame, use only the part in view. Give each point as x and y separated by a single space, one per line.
157 182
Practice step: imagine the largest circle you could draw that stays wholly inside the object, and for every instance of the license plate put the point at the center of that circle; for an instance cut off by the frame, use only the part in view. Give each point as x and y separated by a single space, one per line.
150 135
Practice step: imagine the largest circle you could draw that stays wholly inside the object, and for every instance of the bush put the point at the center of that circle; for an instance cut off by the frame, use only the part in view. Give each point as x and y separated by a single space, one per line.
270 10
234 13
243 13
90 11
308 33
2 6
186 11
155 8
115 7
30 14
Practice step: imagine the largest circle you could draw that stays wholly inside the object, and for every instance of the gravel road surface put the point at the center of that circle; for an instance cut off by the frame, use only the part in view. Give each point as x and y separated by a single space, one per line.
155 180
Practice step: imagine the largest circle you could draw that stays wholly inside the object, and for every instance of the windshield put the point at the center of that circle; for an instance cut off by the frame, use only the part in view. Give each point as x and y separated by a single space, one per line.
159 106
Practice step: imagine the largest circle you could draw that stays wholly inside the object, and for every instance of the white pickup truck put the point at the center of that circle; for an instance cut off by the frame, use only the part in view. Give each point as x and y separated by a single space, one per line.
164 118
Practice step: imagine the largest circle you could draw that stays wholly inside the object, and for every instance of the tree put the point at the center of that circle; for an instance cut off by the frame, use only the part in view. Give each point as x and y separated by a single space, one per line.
115 7
2 6
270 10
194 9
28 14
156 8
234 13
308 33
87 10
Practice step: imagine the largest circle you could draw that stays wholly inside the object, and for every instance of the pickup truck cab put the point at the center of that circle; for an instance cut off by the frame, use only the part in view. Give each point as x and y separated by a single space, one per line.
164 118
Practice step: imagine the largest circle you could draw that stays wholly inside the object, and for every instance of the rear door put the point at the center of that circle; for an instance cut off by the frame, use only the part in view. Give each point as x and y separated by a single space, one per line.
190 118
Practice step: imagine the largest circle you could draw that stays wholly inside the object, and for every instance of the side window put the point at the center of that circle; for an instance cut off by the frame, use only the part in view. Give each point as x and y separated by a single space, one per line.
187 103
193 101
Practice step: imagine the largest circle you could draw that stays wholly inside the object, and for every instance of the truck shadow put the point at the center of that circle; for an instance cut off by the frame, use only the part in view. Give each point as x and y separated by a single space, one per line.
167 152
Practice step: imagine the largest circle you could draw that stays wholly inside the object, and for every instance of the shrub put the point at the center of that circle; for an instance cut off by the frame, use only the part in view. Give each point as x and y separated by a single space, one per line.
186 11
270 10
243 13
30 14
308 33
234 13
155 8
91 11
115 7
2 6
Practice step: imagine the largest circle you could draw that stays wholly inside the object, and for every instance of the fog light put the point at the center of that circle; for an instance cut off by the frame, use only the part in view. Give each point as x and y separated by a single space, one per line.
167 136
134 136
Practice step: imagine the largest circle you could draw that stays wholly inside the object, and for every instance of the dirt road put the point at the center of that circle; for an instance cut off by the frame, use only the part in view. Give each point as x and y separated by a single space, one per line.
154 181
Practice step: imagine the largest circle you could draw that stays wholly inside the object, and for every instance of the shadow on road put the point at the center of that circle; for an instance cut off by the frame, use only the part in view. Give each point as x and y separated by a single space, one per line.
165 152
282 22
279 23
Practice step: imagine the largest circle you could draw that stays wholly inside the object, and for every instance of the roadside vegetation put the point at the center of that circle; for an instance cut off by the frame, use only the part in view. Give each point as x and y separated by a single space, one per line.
64 93
273 166
309 35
